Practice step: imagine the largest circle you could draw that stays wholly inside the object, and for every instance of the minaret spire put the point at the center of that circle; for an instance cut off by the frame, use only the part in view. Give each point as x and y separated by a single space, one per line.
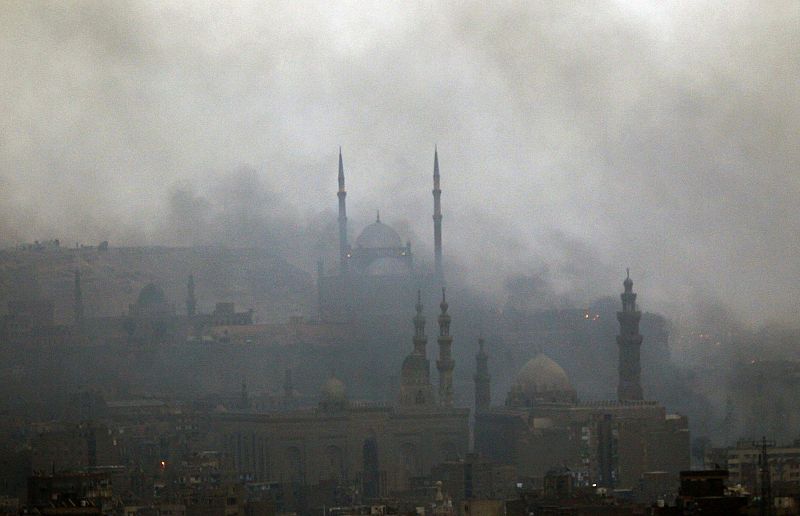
78 298
482 379
344 247
420 340
437 216
445 362
629 342
415 380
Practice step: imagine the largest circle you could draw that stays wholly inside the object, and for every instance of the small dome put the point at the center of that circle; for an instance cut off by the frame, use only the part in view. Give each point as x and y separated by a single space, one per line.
387 266
415 370
542 375
151 294
378 236
334 390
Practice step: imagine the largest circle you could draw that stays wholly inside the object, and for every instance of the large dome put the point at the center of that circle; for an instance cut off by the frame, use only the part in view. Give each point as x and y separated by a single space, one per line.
334 390
542 379
333 397
151 294
378 236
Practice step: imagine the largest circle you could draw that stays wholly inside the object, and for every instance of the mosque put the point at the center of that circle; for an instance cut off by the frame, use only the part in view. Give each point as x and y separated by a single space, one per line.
543 424
377 277
377 448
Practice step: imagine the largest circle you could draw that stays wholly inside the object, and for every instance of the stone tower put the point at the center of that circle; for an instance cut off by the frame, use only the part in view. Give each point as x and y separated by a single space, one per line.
342 194
415 375
191 300
78 298
437 216
445 362
629 342
483 396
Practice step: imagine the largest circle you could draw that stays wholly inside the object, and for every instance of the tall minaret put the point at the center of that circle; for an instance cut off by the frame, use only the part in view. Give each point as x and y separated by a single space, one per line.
342 194
445 362
415 379
483 396
191 301
78 298
437 215
420 339
629 342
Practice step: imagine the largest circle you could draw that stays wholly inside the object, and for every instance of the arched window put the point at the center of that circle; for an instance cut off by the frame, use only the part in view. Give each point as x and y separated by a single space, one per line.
410 459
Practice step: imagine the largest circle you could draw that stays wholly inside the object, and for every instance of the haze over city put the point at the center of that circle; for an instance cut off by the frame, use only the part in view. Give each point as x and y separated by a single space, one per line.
399 258
576 139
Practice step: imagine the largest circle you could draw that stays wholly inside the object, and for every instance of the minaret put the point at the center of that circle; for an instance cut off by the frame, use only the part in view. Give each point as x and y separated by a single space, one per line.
342 194
415 380
445 362
78 298
420 339
629 342
437 216
483 396
191 301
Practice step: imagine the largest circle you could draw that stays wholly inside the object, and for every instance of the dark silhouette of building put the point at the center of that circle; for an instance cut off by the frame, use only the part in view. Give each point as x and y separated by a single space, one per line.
445 362
610 443
377 276
376 447
629 341
704 492
483 395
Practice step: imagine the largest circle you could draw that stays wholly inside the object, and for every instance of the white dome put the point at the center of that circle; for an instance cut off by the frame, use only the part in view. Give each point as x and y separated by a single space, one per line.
541 374
378 236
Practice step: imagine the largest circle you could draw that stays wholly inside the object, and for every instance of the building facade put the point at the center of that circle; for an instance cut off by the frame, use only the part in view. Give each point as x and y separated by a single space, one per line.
374 448
543 424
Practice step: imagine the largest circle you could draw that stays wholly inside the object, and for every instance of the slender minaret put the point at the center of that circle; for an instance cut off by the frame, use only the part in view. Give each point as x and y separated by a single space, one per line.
437 215
420 339
415 379
342 194
445 362
191 300
629 342
78 298
483 396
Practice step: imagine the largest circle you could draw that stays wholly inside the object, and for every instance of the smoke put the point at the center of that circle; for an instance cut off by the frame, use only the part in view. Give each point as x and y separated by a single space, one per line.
575 139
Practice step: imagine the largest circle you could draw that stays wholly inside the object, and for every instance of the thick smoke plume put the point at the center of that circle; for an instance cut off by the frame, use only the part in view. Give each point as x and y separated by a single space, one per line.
574 139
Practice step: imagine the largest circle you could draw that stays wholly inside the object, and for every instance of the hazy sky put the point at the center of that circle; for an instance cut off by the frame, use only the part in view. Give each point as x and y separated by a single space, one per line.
575 138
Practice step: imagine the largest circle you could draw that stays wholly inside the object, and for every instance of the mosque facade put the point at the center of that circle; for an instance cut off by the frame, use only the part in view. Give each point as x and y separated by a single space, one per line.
376 448
543 424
